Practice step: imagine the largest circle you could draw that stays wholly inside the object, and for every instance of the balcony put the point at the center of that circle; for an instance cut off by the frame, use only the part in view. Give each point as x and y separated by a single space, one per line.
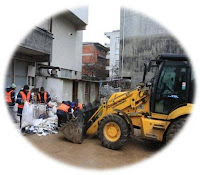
36 47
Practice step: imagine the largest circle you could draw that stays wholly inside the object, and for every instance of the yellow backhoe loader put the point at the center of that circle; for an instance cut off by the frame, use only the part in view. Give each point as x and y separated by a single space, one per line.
158 107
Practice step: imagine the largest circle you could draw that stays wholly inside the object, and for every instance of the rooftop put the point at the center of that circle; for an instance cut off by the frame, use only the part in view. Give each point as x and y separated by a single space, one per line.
97 45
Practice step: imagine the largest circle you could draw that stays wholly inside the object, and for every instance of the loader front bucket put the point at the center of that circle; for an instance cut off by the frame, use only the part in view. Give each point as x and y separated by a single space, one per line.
75 129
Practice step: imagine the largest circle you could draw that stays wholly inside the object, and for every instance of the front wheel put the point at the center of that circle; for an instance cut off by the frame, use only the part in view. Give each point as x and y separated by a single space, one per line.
113 131
174 128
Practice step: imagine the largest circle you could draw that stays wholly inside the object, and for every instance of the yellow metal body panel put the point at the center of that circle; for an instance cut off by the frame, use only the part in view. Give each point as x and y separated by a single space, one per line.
159 116
184 110
129 102
135 104
154 129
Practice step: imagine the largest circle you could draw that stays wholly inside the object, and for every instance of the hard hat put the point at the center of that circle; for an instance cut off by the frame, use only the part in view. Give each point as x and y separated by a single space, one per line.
13 85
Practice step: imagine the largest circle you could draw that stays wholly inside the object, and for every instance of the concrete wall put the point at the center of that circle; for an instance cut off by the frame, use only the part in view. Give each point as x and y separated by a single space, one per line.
59 89
81 13
17 73
92 92
45 24
9 76
62 89
52 85
81 92
142 39
67 90
67 44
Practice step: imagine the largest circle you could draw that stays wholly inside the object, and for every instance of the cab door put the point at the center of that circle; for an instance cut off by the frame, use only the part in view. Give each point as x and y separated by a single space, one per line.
171 88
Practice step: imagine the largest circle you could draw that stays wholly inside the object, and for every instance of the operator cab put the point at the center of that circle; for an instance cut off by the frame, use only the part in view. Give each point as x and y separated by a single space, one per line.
173 83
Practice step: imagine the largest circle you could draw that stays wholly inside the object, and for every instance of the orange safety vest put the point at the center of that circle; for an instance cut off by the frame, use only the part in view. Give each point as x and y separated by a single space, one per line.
45 97
24 97
63 107
80 106
8 96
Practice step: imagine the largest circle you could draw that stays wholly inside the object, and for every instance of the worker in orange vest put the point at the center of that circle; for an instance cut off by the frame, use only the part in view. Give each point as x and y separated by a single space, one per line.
23 96
10 100
63 111
43 96
76 105
10 95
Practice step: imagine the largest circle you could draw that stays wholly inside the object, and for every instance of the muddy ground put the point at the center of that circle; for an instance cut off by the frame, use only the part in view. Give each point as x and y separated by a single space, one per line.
91 154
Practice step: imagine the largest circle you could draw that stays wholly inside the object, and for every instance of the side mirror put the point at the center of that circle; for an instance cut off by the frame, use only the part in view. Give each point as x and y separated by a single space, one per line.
149 84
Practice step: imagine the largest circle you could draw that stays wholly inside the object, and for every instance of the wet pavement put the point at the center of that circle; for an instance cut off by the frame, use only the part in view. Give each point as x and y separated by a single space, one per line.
91 154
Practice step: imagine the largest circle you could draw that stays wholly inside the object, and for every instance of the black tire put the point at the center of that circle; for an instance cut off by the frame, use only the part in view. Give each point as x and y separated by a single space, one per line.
174 129
124 131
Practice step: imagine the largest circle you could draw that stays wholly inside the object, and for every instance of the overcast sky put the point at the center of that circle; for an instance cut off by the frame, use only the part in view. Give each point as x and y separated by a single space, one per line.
100 21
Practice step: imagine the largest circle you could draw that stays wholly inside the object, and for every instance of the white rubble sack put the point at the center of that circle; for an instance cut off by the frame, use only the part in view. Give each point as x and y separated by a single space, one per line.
42 109
52 115
41 127
54 109
27 115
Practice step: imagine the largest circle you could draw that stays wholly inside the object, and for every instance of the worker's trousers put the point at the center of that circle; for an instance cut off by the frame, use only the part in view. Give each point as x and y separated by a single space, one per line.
63 117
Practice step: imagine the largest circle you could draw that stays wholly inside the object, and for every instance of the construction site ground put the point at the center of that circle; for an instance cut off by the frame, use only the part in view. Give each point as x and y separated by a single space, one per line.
91 154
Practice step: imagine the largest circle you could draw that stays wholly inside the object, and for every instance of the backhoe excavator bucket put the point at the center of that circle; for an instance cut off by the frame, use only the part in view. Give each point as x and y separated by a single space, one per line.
75 129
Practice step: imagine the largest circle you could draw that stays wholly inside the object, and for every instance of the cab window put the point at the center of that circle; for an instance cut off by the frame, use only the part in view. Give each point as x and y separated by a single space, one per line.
172 86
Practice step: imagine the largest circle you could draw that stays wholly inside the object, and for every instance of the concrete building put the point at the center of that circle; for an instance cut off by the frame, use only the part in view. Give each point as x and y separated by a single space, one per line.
141 39
95 62
35 48
51 56
113 56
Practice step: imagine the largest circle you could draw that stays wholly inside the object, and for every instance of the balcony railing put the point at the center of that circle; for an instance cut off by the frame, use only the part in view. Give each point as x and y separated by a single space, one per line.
37 43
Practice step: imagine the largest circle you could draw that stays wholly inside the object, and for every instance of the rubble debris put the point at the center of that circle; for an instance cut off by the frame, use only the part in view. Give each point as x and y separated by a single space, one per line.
106 91
43 127
39 119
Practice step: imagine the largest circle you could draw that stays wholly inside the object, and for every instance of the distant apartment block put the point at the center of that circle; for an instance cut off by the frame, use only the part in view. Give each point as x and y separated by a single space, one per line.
94 61
114 37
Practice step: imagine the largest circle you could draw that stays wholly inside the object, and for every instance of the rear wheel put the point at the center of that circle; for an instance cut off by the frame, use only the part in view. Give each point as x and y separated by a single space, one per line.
113 131
174 128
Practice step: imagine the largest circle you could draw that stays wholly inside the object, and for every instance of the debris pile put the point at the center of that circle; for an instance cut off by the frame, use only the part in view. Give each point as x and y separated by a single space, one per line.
43 127
39 119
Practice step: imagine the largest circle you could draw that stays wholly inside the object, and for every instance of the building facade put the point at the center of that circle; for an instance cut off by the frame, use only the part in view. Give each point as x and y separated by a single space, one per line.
113 57
35 48
94 61
141 40
51 56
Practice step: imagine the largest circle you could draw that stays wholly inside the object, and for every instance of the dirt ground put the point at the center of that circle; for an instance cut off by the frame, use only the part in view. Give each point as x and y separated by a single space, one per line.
91 154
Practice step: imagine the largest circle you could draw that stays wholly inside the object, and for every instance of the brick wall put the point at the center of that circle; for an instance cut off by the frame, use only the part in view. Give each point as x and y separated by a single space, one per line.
94 62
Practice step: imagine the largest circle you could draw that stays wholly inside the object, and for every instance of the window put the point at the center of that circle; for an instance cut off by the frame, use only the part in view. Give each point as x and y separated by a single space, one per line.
172 85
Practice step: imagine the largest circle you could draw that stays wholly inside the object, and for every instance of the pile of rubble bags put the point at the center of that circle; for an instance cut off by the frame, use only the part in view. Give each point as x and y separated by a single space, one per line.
40 119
